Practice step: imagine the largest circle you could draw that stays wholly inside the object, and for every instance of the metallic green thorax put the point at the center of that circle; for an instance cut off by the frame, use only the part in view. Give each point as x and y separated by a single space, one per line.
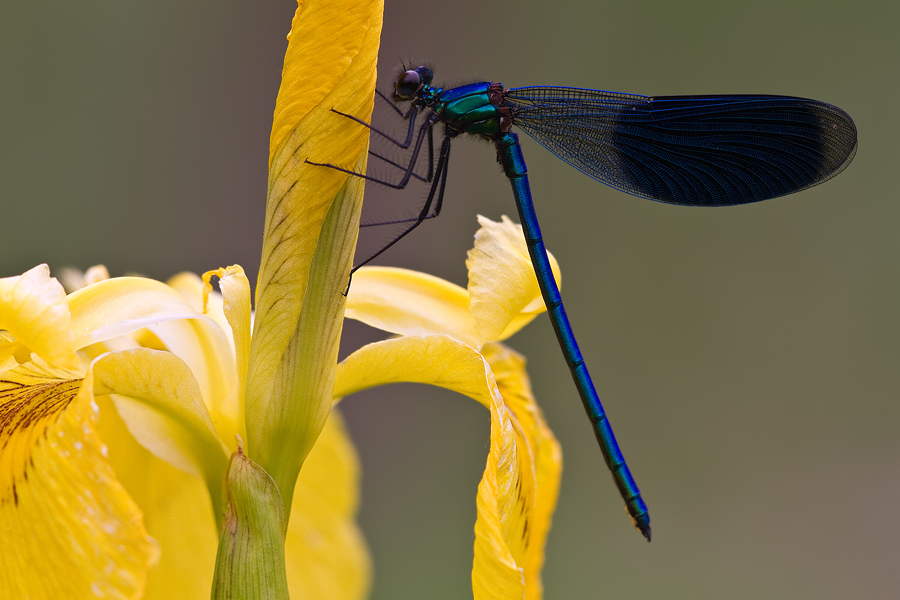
473 109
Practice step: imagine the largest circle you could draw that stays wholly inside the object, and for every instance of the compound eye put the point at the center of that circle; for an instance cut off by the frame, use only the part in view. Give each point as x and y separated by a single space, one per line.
407 85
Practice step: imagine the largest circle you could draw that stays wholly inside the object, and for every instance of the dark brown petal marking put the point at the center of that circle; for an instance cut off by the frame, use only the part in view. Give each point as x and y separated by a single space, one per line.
26 411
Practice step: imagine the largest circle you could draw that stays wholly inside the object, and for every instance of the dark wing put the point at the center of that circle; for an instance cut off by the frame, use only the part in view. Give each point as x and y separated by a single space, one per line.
692 150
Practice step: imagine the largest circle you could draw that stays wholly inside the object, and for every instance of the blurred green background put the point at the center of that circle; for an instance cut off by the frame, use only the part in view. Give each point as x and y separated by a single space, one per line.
748 356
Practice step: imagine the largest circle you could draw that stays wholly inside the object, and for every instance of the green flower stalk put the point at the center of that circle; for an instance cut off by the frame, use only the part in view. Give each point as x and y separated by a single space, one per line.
251 562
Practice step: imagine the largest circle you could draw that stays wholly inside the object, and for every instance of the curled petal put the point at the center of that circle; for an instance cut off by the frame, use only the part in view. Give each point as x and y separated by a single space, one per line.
329 65
318 59
157 396
237 311
114 307
544 455
517 493
33 309
410 303
166 318
501 525
434 359
310 230
504 292
207 351
68 529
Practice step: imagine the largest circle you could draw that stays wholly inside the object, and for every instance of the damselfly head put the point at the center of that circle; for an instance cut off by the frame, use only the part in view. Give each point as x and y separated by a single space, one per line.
410 82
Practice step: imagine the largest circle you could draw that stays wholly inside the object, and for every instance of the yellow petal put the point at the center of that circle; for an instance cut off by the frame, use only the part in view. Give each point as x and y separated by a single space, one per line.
434 359
73 279
504 292
518 491
311 224
8 348
238 313
330 64
157 396
68 530
499 527
326 553
191 288
207 350
410 303
200 296
34 310
325 41
177 512
544 455
116 307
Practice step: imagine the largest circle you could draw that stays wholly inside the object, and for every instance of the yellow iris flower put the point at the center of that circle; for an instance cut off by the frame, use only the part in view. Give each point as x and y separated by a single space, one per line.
121 402
115 430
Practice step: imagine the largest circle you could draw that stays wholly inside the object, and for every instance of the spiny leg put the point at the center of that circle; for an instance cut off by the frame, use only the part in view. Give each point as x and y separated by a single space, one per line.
390 103
430 153
437 186
423 178
411 116
419 219
429 122
440 197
